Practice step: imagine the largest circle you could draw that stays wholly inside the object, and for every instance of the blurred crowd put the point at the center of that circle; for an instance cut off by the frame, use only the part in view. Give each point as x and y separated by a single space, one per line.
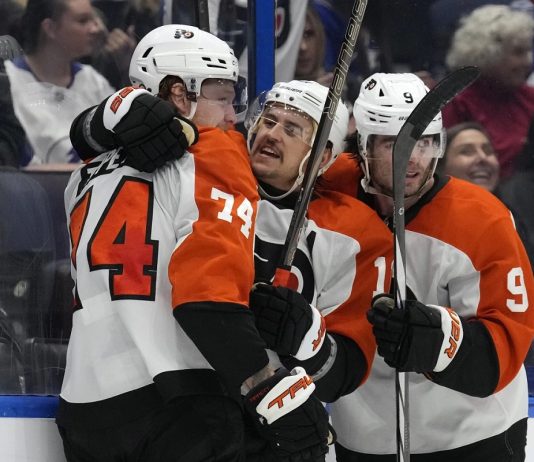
75 53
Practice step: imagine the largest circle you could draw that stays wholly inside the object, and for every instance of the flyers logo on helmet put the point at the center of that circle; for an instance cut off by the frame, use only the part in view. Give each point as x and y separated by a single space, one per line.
187 34
371 84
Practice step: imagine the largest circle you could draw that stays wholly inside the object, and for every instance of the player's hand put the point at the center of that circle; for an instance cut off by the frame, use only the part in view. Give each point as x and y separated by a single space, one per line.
287 323
419 338
149 129
286 414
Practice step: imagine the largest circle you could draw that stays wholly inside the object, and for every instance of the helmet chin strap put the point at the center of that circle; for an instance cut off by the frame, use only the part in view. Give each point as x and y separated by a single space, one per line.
192 111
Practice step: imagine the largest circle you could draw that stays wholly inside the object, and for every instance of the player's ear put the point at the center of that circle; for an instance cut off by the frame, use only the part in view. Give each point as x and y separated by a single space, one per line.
178 97
327 155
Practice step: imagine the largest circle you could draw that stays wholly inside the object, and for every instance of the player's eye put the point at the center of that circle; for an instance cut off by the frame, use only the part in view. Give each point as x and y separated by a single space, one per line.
269 123
292 130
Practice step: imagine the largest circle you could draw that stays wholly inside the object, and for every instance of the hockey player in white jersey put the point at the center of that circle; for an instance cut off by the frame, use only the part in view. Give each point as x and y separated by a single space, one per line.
343 255
468 320
142 384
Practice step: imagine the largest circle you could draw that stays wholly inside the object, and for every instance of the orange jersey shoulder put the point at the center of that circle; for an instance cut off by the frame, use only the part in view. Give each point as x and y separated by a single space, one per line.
215 262
343 176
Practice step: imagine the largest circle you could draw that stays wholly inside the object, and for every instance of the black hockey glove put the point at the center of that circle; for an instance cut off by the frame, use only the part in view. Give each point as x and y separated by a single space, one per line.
287 323
149 129
287 414
419 338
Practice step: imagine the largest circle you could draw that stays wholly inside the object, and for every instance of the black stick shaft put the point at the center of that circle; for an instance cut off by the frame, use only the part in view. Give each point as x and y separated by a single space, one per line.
323 131
408 136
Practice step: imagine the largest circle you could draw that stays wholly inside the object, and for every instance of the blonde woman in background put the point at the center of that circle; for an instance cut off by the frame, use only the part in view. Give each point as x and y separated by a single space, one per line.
499 41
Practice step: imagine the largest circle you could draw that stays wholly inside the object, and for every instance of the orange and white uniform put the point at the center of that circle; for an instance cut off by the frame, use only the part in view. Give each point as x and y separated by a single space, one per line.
147 246
462 252
343 258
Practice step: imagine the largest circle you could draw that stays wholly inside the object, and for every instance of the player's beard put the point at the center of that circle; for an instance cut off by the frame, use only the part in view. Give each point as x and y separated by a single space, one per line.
382 180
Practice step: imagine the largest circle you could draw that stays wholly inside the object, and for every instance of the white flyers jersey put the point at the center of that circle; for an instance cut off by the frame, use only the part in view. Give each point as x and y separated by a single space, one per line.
343 258
129 232
461 252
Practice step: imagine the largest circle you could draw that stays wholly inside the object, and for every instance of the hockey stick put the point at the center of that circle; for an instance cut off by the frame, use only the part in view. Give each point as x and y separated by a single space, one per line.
283 270
202 15
407 138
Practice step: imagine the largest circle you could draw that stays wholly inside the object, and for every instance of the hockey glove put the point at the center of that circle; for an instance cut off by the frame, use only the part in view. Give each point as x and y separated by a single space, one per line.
419 338
287 323
149 129
287 414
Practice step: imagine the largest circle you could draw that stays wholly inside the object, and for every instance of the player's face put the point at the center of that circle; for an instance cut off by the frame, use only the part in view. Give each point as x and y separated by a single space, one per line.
76 30
282 141
215 105
381 160
470 156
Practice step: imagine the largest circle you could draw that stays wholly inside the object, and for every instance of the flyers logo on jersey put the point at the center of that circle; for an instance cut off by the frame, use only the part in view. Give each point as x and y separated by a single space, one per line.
291 392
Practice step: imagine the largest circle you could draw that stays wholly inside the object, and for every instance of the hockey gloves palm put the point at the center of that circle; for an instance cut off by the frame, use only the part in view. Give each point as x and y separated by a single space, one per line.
149 129
287 414
287 323
419 338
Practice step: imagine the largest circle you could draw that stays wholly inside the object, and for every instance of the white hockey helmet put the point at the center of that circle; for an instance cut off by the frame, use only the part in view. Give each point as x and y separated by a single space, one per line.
189 53
383 105
309 98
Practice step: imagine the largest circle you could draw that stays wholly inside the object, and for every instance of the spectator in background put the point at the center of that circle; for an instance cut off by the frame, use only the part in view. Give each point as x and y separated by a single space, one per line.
334 25
444 16
48 86
319 48
470 156
122 23
499 41
310 60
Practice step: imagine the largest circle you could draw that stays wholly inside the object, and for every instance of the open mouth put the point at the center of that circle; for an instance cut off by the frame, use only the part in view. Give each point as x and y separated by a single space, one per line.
269 152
